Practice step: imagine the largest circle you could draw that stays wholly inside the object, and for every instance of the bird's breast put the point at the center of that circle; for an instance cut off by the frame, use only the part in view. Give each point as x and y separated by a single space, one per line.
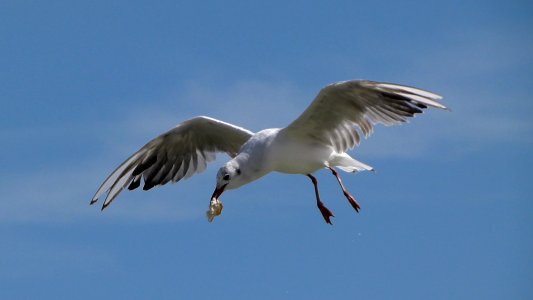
298 157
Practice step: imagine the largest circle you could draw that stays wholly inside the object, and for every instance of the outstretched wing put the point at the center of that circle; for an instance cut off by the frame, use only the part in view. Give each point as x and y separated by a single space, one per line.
178 153
343 107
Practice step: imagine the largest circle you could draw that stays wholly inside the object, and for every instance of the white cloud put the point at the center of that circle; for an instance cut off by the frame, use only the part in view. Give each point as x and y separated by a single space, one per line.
30 259
62 195
472 71
252 103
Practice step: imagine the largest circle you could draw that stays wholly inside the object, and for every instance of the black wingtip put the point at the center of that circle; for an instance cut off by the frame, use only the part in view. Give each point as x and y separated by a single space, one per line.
420 105
148 185
93 201
134 184
104 206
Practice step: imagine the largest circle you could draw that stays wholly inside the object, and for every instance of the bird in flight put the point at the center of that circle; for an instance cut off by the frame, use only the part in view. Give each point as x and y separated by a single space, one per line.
317 139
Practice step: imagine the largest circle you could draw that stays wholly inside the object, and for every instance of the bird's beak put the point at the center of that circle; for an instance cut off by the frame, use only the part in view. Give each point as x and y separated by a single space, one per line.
218 191
215 206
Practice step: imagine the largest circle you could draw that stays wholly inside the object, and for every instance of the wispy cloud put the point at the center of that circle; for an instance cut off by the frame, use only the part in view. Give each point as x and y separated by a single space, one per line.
478 54
62 195
487 108
30 259
254 103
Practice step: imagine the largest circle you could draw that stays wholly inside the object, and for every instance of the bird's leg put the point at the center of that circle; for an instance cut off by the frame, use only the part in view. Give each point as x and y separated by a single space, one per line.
326 213
348 196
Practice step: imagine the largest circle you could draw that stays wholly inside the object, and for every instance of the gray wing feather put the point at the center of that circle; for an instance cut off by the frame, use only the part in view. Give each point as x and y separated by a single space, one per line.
342 110
176 154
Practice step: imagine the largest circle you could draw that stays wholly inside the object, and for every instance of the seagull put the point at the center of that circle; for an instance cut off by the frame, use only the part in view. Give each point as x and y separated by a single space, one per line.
318 139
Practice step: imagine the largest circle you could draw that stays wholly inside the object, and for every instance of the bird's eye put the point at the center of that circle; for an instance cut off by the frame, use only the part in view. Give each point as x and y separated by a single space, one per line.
238 171
226 177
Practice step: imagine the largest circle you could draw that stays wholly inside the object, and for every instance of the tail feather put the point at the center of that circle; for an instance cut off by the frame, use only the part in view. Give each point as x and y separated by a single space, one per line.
346 163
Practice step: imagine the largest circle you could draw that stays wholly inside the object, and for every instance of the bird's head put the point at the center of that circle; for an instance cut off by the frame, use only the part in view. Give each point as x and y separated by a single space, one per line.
228 177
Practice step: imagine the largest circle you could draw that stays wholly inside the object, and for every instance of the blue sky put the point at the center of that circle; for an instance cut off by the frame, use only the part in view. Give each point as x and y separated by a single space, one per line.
447 215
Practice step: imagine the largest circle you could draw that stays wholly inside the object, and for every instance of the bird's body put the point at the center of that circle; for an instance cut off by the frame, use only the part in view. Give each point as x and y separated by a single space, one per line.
318 139
274 150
